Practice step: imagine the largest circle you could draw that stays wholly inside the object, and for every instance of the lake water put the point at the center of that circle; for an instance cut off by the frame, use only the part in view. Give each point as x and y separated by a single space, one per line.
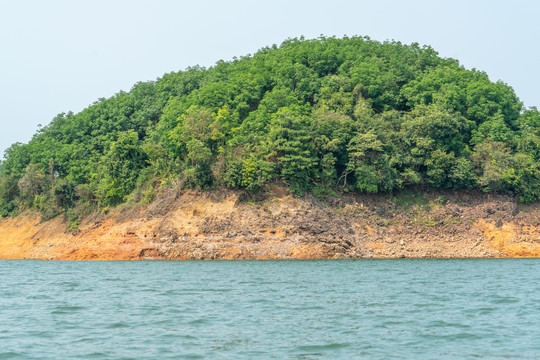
348 309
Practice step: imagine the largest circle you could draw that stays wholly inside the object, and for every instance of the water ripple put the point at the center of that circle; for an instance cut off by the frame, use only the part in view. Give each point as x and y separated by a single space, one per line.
376 309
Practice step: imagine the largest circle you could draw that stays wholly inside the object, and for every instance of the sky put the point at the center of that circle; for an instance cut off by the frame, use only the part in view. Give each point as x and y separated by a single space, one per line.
58 56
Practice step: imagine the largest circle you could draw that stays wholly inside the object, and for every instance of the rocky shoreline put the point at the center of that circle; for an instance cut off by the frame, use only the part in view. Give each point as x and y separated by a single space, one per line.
276 225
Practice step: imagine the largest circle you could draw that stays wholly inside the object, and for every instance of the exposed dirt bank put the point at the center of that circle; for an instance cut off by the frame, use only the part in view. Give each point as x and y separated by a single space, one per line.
233 225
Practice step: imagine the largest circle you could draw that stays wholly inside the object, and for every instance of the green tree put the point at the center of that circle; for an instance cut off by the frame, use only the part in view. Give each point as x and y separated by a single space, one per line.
364 149
9 191
121 167
291 144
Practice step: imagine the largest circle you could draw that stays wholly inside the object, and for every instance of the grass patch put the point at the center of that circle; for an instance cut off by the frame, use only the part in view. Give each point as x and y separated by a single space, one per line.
410 199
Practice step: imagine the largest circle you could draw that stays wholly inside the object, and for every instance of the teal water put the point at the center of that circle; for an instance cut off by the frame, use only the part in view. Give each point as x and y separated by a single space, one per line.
338 309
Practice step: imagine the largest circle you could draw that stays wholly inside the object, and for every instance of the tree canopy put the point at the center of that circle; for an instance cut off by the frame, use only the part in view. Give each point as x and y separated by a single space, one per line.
319 115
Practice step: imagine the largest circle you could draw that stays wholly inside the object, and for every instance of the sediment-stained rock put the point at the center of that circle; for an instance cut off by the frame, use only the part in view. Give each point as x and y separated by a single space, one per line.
231 225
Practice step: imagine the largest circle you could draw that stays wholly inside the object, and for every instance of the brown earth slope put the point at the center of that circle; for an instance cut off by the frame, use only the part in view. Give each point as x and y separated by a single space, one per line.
234 225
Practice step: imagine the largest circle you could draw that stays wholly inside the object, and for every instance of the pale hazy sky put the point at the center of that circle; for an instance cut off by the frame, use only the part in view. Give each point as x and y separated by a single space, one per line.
60 55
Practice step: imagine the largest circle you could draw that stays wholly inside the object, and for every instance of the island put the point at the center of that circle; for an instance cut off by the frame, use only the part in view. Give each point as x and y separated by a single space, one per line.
313 149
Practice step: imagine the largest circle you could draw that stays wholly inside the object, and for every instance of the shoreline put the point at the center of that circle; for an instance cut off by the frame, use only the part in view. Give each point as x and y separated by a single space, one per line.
229 225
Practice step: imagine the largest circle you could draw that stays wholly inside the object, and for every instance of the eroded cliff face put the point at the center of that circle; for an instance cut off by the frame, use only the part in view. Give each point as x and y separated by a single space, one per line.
233 225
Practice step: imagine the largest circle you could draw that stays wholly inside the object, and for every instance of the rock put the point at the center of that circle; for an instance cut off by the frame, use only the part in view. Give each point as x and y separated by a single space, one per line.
334 201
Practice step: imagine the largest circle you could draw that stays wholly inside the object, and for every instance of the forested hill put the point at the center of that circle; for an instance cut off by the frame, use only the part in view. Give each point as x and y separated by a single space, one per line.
321 115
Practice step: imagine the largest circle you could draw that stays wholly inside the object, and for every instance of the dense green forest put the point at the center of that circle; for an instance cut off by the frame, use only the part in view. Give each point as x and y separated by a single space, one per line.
324 115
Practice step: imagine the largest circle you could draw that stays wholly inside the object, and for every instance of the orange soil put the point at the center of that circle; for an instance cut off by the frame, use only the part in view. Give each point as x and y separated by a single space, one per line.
27 238
512 240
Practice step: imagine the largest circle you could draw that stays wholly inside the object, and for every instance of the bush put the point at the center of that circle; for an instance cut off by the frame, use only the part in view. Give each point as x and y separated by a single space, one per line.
7 208
198 177
64 193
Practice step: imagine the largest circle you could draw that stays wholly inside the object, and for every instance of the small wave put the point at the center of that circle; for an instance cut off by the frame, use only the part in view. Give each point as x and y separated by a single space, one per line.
10 355
198 322
323 348
60 310
505 300
118 325
451 336
98 355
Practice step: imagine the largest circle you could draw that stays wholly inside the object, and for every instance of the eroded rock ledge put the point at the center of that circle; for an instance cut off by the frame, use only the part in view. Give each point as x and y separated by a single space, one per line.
235 225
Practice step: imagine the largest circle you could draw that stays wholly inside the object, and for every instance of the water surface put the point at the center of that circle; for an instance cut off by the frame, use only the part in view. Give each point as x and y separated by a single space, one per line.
368 309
